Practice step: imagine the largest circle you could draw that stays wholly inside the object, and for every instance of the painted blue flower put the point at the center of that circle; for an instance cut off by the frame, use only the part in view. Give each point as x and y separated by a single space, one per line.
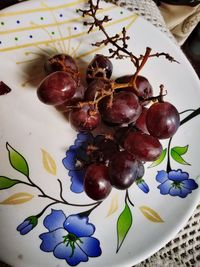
142 185
27 225
69 238
175 183
76 158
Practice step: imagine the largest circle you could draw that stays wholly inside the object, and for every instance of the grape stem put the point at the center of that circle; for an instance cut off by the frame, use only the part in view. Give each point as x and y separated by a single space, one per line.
114 86
116 39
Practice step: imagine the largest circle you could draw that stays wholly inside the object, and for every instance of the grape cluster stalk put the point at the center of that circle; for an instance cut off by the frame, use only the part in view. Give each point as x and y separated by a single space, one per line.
127 106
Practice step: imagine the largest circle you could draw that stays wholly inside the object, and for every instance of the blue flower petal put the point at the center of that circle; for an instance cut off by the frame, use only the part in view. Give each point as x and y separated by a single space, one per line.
178 175
143 186
190 184
51 239
54 220
63 251
91 246
23 225
175 191
79 226
77 181
26 229
82 138
184 192
70 160
162 176
165 187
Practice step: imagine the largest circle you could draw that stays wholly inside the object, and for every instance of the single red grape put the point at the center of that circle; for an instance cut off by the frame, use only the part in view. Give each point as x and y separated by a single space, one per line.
124 109
56 88
143 87
143 146
141 121
76 98
123 170
121 133
100 66
60 62
162 120
95 89
96 181
85 118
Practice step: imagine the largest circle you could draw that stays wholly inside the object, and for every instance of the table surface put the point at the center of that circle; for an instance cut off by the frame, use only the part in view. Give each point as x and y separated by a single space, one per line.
184 249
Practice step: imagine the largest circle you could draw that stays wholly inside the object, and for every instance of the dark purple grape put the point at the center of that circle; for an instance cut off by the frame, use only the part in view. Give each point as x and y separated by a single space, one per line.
162 120
76 98
95 89
121 133
100 66
124 109
141 121
142 146
144 88
106 147
85 118
60 62
96 181
56 88
123 170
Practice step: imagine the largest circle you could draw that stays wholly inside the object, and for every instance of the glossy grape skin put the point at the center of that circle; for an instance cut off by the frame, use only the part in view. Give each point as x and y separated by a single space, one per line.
121 133
85 118
162 120
56 88
95 89
123 170
141 121
96 181
76 98
142 146
100 66
125 108
60 62
144 88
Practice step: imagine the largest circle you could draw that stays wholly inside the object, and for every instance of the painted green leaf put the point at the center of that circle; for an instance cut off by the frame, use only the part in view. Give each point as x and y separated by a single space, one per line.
124 223
160 159
177 152
17 161
6 182
181 150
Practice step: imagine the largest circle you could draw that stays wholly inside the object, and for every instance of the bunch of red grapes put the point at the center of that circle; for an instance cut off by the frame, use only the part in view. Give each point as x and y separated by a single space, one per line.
137 122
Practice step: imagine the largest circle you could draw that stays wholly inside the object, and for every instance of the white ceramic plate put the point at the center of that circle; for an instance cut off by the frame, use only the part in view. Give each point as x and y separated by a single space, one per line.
42 226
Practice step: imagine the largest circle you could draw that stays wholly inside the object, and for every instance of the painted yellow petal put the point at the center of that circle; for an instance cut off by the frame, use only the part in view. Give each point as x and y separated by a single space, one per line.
48 162
17 198
151 214
113 206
